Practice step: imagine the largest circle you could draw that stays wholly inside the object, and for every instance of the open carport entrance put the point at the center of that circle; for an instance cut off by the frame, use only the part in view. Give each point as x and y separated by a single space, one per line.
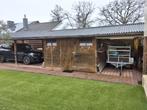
36 45
119 52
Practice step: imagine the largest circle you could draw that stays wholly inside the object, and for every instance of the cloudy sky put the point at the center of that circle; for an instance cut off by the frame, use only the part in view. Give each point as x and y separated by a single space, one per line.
36 9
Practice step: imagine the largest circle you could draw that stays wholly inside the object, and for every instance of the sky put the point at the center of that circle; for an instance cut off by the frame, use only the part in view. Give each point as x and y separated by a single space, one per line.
36 9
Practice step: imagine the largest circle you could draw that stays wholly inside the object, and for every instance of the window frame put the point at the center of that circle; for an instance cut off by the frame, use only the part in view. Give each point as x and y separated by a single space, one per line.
52 42
86 43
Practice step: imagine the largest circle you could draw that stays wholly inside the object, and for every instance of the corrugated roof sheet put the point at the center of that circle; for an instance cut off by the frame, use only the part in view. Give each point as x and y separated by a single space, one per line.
90 32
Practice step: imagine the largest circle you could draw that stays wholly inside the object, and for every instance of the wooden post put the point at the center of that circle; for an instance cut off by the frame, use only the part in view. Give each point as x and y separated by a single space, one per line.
43 65
43 47
15 52
52 57
44 44
95 54
60 41
145 56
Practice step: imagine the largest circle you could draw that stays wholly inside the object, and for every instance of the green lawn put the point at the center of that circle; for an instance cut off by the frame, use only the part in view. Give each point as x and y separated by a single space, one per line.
23 91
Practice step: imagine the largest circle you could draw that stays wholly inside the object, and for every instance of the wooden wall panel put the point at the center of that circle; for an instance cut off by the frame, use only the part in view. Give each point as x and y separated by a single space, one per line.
56 54
34 43
85 57
52 54
67 49
71 56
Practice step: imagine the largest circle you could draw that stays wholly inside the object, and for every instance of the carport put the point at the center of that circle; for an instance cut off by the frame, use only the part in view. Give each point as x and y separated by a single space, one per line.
32 34
26 41
88 52
129 48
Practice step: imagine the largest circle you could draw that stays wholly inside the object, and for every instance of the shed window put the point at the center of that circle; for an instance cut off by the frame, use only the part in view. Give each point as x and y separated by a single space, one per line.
85 42
52 42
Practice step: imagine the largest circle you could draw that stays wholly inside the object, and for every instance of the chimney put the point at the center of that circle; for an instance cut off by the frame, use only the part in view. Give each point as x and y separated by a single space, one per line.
11 25
25 23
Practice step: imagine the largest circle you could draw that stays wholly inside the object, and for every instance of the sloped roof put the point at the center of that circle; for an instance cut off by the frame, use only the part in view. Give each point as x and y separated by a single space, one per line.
36 26
17 26
41 33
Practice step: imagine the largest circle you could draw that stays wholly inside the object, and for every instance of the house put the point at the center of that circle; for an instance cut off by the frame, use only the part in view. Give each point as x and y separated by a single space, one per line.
86 49
30 26
14 27
33 27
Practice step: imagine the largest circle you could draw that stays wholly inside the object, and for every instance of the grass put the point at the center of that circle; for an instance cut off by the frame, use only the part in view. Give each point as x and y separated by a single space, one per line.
25 91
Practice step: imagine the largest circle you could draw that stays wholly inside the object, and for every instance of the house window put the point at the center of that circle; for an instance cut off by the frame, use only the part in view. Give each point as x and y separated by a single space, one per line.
86 42
52 42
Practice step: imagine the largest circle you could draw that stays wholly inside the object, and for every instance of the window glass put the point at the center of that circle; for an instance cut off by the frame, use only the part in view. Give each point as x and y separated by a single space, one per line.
85 42
52 42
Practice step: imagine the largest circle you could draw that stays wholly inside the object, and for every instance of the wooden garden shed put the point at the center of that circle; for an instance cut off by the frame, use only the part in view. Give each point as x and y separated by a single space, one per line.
86 49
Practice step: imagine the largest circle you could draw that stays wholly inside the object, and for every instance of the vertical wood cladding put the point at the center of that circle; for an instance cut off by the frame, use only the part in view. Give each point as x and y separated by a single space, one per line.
52 54
85 57
69 55
67 49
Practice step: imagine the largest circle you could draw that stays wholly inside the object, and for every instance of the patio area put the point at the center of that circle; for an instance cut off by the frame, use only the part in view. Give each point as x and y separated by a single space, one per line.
129 76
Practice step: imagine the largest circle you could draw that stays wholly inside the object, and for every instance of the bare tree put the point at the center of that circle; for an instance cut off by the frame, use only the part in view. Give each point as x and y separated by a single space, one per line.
80 17
122 12
70 21
83 11
57 13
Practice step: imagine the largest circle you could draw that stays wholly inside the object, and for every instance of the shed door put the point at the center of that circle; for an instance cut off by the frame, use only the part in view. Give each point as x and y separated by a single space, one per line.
67 56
